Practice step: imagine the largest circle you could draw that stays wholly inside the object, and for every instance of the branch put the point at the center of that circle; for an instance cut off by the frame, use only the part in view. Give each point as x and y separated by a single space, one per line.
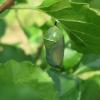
6 5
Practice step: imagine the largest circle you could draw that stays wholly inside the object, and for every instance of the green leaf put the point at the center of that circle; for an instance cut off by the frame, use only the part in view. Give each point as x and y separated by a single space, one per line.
8 52
89 64
92 61
21 1
82 1
71 58
67 86
93 3
48 3
2 27
24 81
80 21
2 1
91 89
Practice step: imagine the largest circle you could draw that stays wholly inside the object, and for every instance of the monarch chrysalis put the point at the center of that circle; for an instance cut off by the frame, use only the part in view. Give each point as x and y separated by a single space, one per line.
54 44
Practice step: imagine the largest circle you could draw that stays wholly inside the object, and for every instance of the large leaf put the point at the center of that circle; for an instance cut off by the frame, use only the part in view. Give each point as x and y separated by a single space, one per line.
93 3
68 87
91 89
81 20
24 81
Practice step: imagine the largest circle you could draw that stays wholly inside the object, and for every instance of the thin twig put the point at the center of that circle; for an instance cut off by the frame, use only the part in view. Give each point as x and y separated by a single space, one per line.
6 5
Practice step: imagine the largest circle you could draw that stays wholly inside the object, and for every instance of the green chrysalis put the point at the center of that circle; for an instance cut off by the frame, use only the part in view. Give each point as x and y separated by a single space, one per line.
54 44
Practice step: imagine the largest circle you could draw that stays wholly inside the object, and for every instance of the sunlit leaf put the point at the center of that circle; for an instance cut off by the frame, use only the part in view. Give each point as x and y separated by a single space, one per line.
2 1
80 21
71 58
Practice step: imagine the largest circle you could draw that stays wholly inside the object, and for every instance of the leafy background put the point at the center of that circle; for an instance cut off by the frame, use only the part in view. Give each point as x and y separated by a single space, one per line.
24 71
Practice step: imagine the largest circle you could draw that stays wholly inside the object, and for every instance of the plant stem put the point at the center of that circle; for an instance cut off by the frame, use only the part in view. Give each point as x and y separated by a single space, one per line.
6 5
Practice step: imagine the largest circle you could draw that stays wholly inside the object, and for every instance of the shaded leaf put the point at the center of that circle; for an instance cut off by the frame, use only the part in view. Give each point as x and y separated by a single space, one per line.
2 27
91 89
21 1
8 52
92 61
24 81
68 88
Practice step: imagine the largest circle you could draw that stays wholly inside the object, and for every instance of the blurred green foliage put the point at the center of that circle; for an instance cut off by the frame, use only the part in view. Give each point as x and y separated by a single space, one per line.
2 1
24 71
2 27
